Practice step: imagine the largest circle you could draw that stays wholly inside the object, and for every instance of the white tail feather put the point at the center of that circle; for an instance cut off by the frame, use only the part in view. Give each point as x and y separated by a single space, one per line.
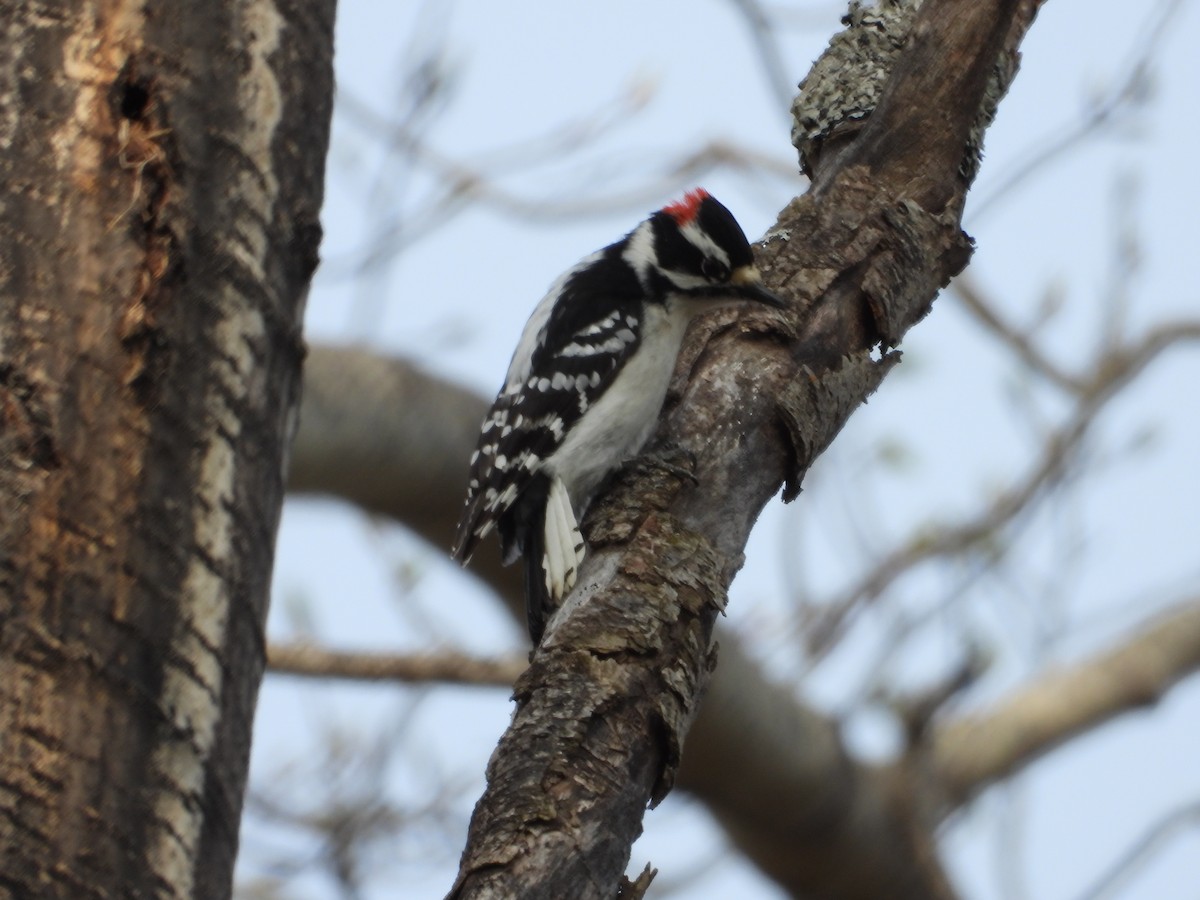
563 542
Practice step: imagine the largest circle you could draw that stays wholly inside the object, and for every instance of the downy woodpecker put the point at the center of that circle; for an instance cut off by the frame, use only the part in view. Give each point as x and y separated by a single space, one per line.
587 382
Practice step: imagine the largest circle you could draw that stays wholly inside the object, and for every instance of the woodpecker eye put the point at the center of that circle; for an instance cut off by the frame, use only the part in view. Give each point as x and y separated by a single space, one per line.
714 269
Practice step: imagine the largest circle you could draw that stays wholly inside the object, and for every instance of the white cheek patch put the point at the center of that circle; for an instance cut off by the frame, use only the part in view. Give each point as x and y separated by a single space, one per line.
639 252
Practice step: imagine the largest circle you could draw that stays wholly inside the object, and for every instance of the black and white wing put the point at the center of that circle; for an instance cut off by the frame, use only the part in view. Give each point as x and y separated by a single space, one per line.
572 349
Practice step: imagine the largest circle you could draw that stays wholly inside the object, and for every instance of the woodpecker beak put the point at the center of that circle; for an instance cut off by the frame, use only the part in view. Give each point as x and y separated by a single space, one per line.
748 281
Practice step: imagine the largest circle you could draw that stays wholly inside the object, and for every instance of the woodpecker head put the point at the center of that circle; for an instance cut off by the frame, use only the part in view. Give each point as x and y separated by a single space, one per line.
695 248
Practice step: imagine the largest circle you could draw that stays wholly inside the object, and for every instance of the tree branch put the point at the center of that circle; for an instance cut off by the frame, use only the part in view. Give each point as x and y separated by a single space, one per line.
760 760
980 749
1120 872
453 668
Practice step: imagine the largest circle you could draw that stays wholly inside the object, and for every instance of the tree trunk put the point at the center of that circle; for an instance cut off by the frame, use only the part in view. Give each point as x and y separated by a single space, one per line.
161 166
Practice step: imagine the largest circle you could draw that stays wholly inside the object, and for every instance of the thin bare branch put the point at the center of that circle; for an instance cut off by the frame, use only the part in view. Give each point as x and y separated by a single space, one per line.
762 30
448 667
970 292
461 185
1127 93
1109 375
1136 857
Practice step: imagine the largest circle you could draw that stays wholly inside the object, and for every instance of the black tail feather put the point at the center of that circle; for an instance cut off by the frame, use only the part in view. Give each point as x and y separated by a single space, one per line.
538 606
524 526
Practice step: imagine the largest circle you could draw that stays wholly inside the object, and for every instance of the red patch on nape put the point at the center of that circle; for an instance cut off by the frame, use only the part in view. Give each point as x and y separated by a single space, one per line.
683 211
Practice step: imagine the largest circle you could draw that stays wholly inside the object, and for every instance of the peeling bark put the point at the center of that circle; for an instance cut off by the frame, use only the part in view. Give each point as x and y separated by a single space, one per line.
162 169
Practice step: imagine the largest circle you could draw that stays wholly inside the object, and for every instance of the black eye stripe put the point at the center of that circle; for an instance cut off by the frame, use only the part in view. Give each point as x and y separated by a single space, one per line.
714 269
672 250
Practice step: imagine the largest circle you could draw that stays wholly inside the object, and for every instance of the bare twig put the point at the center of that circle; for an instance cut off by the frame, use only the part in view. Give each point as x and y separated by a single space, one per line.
636 889
968 290
917 710
336 794
447 666
462 185
1137 856
1128 92
762 30
1109 375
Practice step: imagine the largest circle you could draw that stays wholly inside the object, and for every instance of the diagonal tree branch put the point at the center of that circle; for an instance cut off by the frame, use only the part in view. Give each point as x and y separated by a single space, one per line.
970 294
1183 819
976 750
610 693
763 767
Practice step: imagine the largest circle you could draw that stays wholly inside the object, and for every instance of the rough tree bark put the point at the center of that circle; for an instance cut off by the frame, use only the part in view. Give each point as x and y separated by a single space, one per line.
604 707
162 167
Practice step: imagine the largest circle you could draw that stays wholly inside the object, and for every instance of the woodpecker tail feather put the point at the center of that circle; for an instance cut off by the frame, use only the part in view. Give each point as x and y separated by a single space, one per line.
552 546
563 542
523 531
538 604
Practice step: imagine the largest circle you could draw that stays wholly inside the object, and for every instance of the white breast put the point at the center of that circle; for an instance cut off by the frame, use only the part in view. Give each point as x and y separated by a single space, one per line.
619 423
